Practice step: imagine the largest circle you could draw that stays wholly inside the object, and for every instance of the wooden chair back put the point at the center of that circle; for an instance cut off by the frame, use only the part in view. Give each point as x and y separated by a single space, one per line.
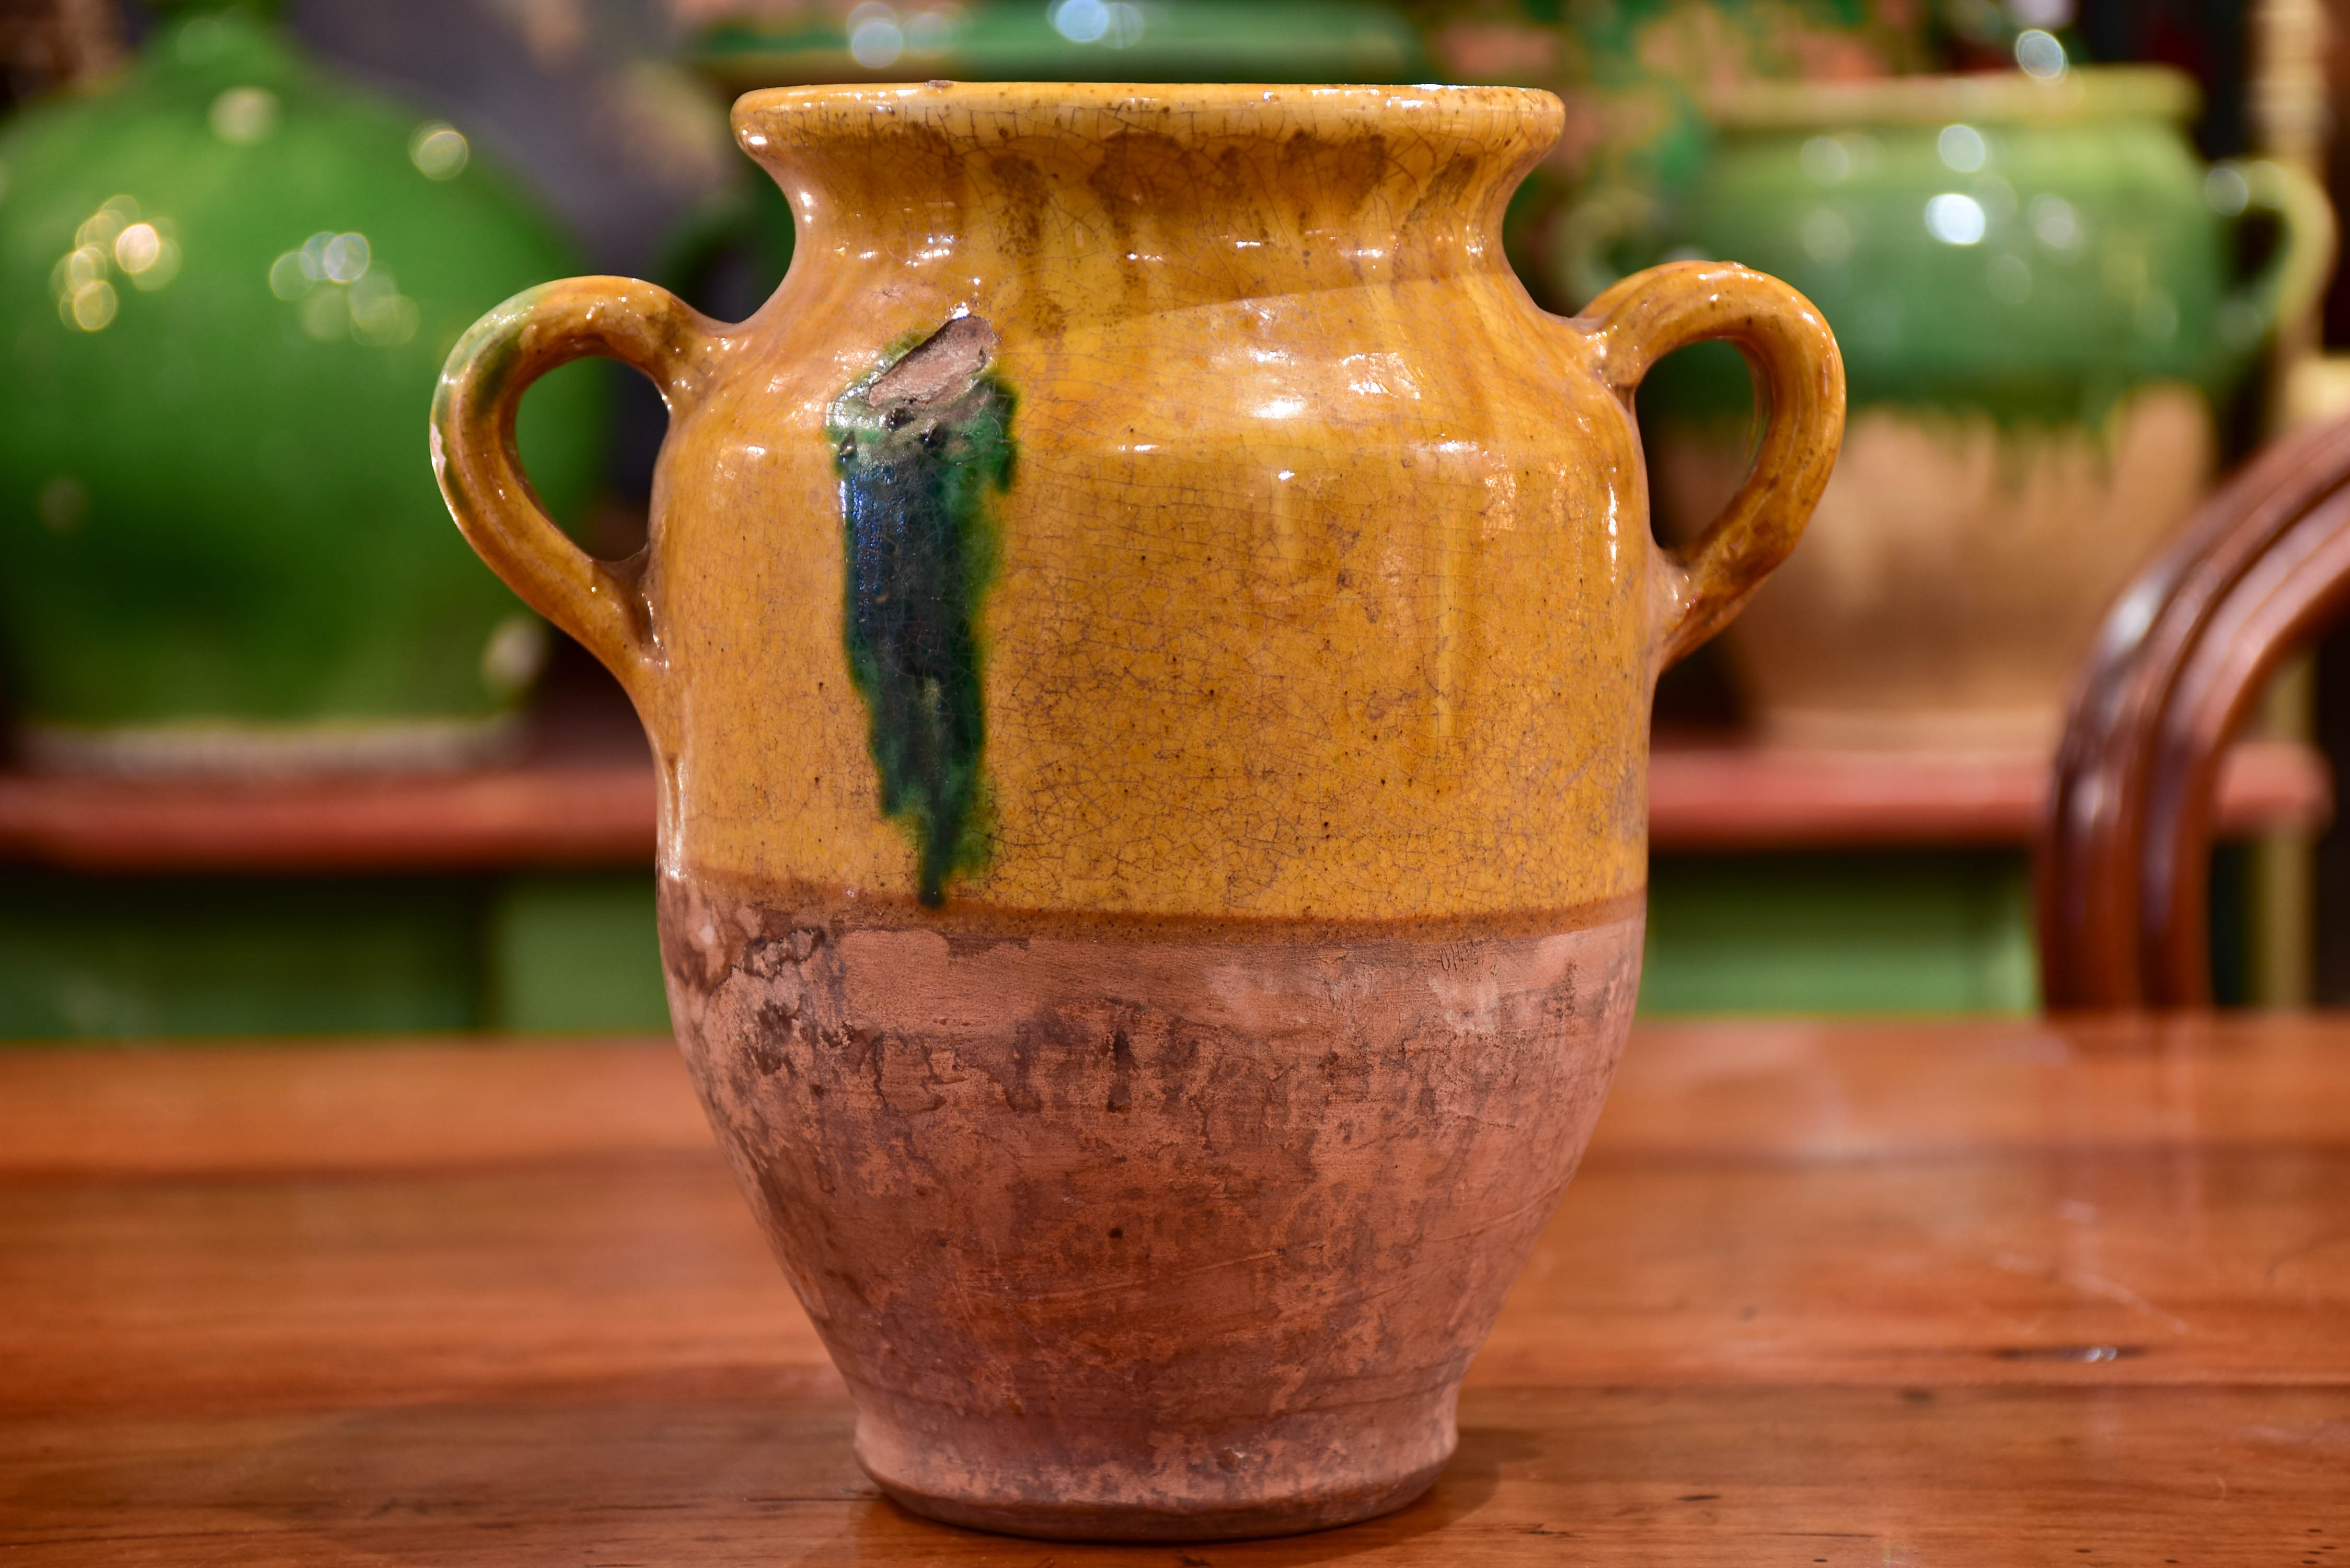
2123 867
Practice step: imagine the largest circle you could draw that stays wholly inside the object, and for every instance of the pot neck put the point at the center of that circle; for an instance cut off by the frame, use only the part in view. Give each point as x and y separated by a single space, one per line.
1150 198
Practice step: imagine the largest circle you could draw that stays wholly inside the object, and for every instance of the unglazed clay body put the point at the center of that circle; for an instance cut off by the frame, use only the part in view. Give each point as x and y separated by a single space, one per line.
1149 637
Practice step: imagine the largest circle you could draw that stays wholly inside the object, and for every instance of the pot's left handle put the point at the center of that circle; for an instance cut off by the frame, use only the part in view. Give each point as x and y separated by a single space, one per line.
1800 374
474 454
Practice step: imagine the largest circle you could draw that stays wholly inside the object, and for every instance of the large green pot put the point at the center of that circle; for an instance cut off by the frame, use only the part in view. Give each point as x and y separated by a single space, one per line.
1637 73
227 282
2037 292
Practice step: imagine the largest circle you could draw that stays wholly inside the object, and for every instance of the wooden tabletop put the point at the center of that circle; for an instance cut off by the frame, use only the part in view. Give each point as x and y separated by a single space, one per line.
1865 1294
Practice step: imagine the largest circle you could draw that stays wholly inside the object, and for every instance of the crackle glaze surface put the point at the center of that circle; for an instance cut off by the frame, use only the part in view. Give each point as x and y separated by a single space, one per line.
1149 637
1321 584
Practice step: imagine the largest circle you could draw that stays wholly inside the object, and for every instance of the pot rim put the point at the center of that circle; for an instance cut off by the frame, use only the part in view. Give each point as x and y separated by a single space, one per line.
2081 93
1188 111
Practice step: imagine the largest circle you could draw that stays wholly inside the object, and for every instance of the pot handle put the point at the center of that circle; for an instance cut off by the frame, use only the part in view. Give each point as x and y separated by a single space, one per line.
2293 280
601 603
1799 375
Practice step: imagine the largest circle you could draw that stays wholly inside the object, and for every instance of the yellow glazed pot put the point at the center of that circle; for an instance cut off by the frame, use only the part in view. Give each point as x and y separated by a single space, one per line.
1149 637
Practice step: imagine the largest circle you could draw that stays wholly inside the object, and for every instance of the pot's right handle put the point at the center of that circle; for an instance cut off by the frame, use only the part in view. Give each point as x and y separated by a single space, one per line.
474 457
1786 340
2293 280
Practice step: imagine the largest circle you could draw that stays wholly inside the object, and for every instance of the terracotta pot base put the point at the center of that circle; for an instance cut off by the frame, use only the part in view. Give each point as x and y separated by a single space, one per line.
1136 1230
1056 1522
1281 1474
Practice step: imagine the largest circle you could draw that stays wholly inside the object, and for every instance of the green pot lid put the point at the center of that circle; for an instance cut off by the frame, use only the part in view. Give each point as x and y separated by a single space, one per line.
1074 40
1985 97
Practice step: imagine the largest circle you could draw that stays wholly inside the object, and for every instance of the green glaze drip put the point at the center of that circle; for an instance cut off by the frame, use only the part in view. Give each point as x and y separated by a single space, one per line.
920 446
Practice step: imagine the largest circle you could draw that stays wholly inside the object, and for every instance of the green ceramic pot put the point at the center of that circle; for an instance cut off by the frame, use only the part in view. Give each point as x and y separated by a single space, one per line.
1994 242
227 282
2037 292
1638 73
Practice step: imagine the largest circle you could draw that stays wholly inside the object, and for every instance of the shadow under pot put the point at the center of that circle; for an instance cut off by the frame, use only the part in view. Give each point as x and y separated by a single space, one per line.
228 282
2036 288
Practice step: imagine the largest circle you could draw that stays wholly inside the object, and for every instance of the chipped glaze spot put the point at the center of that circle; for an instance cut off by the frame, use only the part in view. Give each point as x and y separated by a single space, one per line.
921 445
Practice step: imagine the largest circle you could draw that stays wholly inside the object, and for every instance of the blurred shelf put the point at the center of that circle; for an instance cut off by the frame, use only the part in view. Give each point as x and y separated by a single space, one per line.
529 815
1708 793
579 795
582 795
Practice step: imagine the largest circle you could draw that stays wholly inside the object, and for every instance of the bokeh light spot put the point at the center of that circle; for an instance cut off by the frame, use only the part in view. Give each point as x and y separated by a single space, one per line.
137 247
243 115
1955 219
94 306
344 258
2040 54
874 38
438 151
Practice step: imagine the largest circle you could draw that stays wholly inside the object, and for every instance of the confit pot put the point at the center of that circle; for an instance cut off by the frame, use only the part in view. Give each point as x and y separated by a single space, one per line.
1148 638
227 278
2035 286
1638 73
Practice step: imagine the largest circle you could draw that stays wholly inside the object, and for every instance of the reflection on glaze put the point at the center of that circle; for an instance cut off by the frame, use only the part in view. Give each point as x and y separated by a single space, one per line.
919 446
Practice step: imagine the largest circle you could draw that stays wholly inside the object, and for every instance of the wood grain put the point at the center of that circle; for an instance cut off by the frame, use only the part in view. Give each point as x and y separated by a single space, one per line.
191 1112
1822 1295
1734 1477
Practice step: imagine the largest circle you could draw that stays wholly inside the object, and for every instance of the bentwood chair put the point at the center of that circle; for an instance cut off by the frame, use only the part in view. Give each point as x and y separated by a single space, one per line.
2123 860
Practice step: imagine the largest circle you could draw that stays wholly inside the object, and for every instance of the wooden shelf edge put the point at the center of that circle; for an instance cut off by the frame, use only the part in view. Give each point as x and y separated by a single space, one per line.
1759 797
521 818
1701 797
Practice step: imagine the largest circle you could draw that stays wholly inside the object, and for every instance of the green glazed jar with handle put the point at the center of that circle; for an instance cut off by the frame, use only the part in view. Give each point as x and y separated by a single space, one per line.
228 282
2037 290
1639 72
